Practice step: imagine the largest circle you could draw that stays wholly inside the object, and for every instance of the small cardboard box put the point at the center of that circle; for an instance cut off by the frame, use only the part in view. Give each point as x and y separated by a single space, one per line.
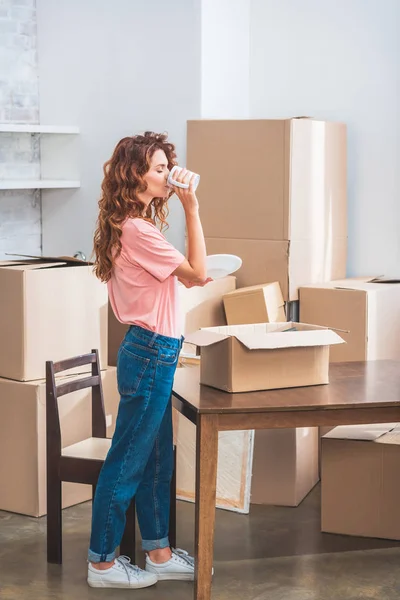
243 358
365 310
360 486
199 307
285 465
255 304
23 440
50 309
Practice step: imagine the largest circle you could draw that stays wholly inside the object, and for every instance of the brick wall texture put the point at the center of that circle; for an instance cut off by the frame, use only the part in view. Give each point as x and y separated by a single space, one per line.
20 211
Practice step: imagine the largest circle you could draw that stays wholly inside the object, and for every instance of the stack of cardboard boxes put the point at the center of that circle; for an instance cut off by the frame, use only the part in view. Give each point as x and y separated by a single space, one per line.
274 193
367 311
50 309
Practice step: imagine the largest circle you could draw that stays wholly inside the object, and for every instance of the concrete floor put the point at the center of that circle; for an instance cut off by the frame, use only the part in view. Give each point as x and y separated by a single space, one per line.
272 554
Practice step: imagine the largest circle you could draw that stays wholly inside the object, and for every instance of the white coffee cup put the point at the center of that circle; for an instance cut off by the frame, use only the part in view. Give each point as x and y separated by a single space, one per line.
175 171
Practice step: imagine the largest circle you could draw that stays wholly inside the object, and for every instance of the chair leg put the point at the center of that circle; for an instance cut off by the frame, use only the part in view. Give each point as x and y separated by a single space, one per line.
172 510
54 519
128 542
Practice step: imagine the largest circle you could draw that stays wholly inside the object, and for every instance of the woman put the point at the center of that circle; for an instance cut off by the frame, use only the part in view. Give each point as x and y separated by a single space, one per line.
142 269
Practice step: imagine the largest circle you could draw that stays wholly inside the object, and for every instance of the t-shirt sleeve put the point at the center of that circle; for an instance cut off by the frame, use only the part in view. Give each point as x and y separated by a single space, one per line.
145 245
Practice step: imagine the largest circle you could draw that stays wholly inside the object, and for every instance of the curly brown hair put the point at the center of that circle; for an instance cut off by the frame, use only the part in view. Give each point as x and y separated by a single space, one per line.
123 181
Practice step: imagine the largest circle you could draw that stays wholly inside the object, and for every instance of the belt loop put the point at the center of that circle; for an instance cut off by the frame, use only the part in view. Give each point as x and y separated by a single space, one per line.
153 339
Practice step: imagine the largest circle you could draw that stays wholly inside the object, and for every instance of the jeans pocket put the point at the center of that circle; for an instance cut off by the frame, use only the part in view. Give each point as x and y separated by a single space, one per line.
131 368
168 356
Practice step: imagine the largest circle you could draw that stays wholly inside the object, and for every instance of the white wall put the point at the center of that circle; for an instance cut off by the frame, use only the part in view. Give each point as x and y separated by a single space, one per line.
106 67
340 60
225 45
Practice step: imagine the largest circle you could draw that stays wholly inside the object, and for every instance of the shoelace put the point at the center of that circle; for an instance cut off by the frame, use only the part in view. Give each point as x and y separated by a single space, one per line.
125 562
183 556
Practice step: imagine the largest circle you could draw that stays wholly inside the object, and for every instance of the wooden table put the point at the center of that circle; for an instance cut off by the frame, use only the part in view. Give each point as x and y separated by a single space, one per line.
363 392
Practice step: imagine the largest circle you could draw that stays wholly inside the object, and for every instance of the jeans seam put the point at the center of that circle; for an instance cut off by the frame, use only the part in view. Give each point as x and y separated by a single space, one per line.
107 527
155 482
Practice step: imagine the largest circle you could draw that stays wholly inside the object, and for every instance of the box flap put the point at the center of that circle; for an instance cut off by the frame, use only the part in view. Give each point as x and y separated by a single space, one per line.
391 437
384 280
365 284
360 432
289 339
206 337
67 259
267 335
11 263
33 266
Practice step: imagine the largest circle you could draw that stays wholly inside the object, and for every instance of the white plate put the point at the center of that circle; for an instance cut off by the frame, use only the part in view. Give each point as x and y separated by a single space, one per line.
221 265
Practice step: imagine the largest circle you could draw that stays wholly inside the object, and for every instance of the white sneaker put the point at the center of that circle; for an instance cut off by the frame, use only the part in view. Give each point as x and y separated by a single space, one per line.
179 567
121 575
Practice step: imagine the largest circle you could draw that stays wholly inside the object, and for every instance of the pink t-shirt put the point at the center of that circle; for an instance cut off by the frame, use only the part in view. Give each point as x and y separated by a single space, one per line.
142 289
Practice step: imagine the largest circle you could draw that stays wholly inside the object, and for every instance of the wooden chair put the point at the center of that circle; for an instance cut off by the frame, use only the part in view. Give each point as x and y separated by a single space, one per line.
82 462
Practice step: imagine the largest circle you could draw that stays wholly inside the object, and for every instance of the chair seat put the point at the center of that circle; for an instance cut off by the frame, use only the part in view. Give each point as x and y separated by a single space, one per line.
89 449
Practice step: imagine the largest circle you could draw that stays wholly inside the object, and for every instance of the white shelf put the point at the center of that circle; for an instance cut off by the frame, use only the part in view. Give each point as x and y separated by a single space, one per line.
25 128
38 184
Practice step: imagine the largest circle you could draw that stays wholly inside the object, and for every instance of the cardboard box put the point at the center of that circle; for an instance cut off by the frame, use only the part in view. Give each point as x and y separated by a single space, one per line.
293 264
243 358
23 440
285 465
255 304
199 307
50 309
360 488
293 170
369 312
116 333
297 191
235 459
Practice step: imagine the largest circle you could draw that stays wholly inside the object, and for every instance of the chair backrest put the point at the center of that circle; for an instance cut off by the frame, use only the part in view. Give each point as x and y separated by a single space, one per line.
53 392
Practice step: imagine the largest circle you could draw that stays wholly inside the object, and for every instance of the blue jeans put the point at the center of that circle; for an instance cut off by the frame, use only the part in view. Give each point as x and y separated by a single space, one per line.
140 460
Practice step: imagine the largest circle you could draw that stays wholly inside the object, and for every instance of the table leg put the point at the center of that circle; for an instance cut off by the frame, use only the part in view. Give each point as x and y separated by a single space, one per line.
206 489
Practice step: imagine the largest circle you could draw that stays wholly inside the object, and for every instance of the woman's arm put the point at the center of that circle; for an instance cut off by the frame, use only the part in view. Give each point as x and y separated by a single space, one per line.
194 267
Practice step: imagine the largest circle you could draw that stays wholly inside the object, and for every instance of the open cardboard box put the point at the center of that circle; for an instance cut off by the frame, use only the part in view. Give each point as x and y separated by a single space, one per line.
263 356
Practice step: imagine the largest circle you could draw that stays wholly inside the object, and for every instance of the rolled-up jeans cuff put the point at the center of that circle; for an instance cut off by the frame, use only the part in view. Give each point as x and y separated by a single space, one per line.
96 558
148 545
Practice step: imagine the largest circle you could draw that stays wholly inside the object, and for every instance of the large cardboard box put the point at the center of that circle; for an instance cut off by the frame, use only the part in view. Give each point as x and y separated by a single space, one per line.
23 440
199 307
288 189
255 304
285 465
366 311
50 309
360 486
243 358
